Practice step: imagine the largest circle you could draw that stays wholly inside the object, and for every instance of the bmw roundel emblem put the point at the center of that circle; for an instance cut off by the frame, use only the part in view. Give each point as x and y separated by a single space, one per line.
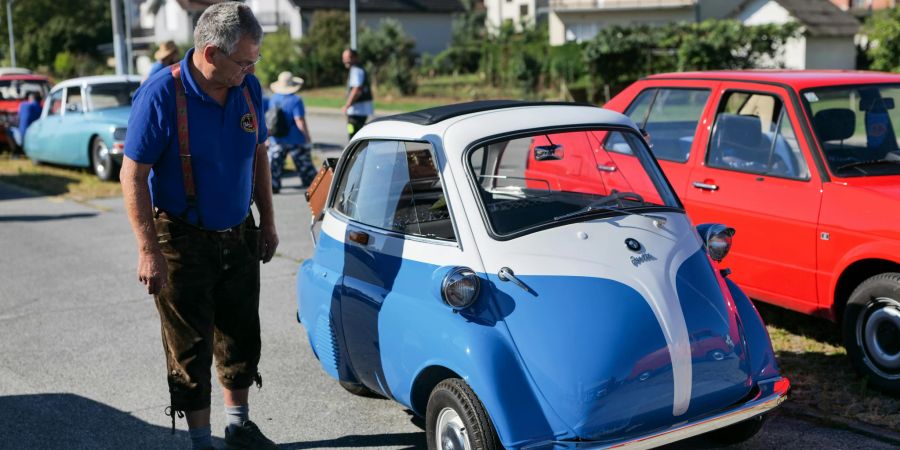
633 244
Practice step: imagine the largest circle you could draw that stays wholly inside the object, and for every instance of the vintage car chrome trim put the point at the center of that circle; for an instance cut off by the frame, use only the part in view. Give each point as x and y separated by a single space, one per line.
770 395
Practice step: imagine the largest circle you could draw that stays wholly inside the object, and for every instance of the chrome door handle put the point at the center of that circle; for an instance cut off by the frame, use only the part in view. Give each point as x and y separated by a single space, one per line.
605 168
506 274
706 186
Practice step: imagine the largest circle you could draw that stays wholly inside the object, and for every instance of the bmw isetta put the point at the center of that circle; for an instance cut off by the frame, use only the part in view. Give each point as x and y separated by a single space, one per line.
520 312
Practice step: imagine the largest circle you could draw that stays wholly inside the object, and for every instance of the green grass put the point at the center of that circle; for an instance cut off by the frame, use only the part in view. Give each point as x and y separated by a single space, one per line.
73 183
811 355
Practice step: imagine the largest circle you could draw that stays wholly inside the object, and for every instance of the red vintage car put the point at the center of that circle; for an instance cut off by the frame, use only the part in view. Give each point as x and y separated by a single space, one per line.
803 164
14 90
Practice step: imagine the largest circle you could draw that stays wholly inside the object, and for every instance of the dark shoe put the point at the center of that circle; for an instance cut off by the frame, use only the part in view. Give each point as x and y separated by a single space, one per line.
276 190
247 437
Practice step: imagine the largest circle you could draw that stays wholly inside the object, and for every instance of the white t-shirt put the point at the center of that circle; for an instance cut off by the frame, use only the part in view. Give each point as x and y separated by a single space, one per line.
356 79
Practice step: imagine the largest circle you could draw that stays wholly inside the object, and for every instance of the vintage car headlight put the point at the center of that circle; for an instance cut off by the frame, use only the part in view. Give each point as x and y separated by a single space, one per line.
716 239
460 287
119 134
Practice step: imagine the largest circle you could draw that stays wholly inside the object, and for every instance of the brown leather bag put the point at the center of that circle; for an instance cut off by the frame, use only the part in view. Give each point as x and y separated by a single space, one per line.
317 192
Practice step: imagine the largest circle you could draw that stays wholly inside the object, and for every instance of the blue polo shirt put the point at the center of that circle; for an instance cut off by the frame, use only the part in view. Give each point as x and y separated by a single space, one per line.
28 113
292 107
222 146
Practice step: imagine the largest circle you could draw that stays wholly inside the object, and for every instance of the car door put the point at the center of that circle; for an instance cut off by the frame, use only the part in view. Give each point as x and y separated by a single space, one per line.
674 115
68 140
756 178
40 132
397 231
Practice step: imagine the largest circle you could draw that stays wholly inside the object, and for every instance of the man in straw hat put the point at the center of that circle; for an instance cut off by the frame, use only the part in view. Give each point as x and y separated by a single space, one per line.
194 164
165 57
292 137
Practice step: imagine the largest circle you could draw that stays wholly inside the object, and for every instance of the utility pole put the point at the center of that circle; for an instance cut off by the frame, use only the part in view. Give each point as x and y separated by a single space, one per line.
12 40
118 41
129 52
353 24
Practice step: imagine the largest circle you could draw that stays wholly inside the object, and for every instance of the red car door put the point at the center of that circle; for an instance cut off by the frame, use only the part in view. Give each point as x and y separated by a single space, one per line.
756 176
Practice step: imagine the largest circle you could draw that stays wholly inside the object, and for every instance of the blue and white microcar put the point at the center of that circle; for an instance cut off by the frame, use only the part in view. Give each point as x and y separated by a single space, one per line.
518 310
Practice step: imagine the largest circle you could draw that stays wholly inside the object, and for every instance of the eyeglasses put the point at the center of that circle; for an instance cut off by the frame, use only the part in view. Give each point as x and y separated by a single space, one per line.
244 66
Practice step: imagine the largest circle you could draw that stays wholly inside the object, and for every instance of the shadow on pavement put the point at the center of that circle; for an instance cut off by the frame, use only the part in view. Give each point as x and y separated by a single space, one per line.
801 324
26 185
37 218
66 421
408 440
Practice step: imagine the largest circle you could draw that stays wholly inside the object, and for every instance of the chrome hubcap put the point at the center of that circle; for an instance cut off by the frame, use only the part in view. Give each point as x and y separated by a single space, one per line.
101 159
881 333
450 432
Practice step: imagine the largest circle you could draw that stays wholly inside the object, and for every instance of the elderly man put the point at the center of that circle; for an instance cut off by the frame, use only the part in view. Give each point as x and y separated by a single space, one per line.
359 105
196 133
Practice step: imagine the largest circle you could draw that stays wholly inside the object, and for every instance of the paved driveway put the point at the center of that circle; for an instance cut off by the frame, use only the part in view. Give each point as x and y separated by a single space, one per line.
81 363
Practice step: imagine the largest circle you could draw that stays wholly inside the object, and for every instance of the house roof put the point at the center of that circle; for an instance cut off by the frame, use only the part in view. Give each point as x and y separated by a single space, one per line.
434 6
820 17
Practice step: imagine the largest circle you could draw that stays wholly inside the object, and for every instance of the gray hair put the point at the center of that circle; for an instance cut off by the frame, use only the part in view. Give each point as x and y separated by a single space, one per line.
224 24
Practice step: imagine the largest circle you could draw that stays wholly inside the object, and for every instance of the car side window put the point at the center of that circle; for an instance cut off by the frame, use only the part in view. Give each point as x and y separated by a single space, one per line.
73 99
55 103
753 133
395 186
670 117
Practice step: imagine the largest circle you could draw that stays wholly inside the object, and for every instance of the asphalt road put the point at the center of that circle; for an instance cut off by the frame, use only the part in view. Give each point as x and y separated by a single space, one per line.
81 364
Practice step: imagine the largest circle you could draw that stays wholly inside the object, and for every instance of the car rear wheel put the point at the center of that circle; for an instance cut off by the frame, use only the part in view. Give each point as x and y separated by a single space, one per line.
456 420
872 331
739 432
102 162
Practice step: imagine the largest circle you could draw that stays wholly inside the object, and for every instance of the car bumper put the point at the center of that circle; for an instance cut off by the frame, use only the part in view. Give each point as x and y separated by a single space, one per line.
770 394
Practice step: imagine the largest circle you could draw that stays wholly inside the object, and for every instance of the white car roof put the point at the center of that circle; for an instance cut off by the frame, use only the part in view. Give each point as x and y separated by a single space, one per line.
96 79
468 122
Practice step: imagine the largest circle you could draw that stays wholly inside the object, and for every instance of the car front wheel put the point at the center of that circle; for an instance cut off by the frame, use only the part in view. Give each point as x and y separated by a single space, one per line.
456 420
102 160
871 331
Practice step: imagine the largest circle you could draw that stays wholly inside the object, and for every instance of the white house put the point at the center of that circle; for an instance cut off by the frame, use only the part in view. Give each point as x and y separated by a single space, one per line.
429 22
517 12
827 40
581 20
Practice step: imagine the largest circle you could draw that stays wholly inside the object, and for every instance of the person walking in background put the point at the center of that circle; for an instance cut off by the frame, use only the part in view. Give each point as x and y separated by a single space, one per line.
288 131
359 105
29 111
167 55
195 132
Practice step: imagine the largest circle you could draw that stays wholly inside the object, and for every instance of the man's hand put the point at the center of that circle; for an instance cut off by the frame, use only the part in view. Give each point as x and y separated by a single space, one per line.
268 242
344 109
153 271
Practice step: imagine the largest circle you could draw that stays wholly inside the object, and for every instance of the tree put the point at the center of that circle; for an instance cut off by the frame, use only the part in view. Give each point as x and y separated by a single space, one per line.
883 29
279 53
389 55
45 28
322 47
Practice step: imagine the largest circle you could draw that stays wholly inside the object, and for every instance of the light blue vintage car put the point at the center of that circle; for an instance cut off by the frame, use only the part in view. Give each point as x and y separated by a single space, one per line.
529 311
83 124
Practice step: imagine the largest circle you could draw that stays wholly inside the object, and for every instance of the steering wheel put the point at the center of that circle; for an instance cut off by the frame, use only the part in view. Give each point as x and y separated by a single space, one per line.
617 197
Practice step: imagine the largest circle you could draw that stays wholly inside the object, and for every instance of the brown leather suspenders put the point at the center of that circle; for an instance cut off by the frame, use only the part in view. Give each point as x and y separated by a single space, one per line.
184 144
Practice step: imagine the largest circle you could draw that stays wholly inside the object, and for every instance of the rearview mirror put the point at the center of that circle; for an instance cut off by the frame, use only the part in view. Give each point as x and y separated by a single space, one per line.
552 152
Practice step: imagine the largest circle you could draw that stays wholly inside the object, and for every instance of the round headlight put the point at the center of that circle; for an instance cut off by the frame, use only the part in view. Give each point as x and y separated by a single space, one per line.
460 288
717 239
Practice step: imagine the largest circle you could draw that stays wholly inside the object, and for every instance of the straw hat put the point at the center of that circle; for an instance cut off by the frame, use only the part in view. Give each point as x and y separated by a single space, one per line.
287 83
166 49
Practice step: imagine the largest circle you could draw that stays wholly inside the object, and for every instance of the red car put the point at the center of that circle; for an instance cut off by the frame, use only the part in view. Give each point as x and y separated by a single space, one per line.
803 164
14 90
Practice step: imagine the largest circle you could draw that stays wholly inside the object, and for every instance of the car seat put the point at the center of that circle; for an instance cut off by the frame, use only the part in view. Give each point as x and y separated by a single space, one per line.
835 124
738 143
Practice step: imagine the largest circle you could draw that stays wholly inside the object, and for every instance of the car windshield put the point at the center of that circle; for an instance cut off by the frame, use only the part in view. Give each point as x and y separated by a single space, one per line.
19 89
112 95
528 183
857 127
